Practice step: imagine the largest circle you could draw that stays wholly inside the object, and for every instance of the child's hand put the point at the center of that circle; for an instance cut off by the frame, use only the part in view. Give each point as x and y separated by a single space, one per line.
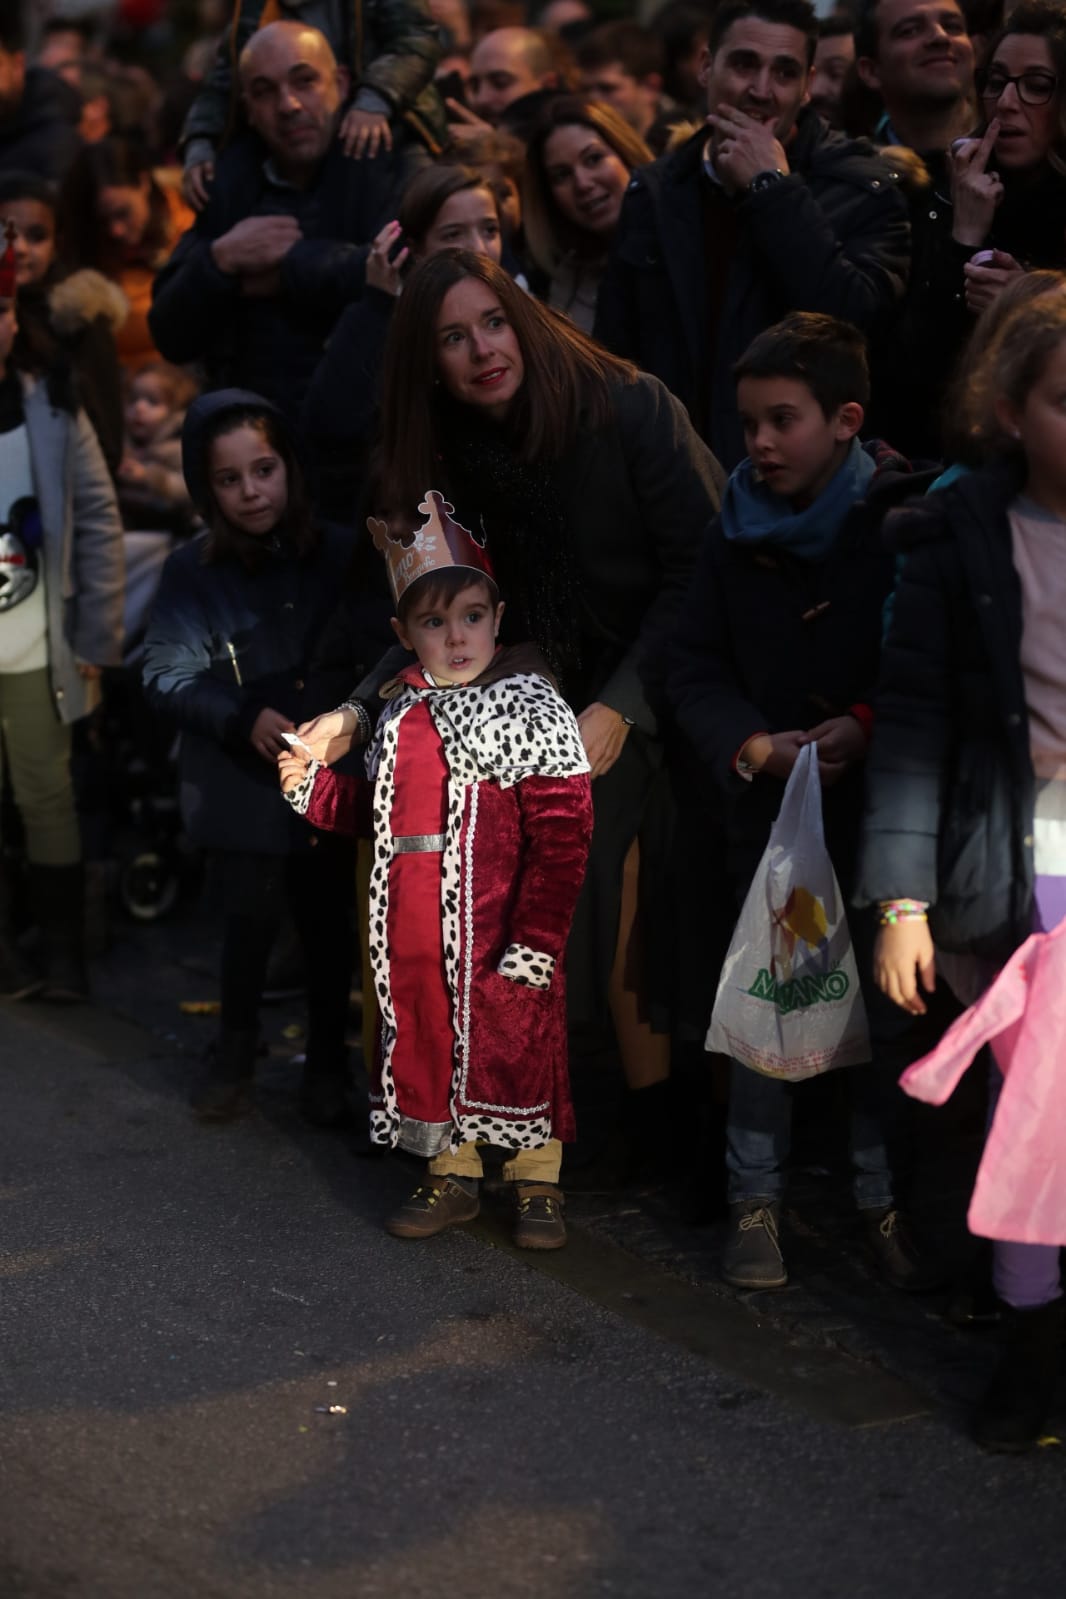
775 754
841 741
265 737
130 470
365 133
903 954
292 767
196 183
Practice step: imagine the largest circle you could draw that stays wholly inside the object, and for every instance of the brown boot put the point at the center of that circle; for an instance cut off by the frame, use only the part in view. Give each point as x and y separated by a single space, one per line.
435 1204
539 1216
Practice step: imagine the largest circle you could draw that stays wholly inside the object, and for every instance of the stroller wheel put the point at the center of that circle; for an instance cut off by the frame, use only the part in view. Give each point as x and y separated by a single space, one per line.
148 886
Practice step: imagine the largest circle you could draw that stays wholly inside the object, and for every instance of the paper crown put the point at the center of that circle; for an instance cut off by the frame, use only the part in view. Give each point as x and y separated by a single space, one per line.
440 544
8 264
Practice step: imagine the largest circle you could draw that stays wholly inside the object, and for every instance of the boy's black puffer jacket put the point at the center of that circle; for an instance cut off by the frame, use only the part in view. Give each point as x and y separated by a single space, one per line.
950 787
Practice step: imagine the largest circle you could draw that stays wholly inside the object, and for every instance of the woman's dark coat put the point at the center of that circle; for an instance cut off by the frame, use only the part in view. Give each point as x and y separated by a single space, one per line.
950 787
635 496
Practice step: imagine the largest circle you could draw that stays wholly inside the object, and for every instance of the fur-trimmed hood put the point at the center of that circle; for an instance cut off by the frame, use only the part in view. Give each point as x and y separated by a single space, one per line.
76 301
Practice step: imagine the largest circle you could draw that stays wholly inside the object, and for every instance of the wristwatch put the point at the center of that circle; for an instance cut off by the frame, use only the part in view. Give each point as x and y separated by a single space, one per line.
766 180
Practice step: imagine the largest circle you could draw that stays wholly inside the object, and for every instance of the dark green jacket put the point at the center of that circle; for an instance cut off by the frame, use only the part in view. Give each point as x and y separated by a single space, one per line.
391 48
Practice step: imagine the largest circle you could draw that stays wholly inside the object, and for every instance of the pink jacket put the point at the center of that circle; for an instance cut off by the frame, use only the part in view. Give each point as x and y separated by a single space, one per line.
1020 1194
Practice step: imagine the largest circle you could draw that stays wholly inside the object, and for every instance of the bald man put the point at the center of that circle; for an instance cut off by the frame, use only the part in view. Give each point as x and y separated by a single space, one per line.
253 289
506 65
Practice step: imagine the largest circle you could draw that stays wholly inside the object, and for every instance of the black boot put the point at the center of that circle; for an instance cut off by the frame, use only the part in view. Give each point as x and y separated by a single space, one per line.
325 1090
18 980
649 1123
224 1091
57 899
1015 1409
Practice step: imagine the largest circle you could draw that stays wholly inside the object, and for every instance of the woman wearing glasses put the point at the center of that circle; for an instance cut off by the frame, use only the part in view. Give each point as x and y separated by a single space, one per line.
1008 186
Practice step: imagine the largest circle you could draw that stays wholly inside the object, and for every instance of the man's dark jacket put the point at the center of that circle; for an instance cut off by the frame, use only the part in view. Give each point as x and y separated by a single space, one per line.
271 345
832 237
950 786
41 136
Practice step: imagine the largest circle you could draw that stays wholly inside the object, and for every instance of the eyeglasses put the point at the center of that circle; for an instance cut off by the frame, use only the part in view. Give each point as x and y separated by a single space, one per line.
1033 88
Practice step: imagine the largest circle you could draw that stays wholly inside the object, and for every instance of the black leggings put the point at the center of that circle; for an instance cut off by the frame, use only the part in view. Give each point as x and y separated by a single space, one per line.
317 885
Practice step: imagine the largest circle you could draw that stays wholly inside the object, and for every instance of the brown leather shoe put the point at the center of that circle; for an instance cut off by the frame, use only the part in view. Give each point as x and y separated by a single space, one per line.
539 1216
434 1205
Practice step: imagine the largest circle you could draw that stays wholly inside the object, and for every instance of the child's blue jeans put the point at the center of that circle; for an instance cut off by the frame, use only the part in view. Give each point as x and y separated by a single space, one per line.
759 1133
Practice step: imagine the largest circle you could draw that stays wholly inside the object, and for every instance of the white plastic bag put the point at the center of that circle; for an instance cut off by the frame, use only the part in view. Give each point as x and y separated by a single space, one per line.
788 1003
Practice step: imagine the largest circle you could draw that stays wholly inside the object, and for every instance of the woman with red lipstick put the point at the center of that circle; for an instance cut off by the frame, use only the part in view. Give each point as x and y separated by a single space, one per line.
593 491
578 166
1008 184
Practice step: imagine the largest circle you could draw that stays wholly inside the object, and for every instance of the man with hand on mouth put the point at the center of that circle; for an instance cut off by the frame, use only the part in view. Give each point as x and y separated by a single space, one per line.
764 211
255 286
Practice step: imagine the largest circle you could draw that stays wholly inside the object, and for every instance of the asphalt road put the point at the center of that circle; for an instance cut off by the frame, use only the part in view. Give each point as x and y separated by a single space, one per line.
180 1307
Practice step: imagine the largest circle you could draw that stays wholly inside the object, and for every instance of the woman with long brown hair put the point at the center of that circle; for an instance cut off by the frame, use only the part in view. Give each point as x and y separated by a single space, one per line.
592 490
578 166
442 208
124 217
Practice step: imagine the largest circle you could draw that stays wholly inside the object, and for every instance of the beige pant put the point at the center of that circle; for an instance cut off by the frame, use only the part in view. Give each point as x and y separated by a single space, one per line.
524 1166
35 751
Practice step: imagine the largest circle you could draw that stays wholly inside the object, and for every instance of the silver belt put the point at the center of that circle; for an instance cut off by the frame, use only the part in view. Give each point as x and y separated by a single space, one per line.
418 844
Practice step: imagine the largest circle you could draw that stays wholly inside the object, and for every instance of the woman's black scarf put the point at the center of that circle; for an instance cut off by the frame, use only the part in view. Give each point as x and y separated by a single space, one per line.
515 505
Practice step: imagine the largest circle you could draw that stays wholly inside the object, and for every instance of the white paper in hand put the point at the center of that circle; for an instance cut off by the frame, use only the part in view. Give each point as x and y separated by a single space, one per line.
788 1002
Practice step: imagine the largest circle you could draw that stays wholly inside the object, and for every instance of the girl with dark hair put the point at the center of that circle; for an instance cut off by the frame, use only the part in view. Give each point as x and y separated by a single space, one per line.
125 217
443 208
68 319
965 834
578 166
593 492
228 659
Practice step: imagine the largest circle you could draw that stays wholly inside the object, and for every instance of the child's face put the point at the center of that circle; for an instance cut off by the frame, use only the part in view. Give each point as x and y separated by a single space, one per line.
1040 427
8 328
35 238
455 642
147 408
795 447
249 480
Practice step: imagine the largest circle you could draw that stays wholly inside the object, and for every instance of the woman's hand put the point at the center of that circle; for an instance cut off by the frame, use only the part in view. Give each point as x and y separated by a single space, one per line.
903 956
381 272
603 734
292 767
330 736
265 737
986 280
975 192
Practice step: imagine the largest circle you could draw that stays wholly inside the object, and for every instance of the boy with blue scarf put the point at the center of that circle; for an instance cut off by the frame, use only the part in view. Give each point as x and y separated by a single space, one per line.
778 647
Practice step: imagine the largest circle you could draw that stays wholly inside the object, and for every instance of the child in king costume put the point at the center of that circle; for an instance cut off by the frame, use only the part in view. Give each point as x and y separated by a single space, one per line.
482 819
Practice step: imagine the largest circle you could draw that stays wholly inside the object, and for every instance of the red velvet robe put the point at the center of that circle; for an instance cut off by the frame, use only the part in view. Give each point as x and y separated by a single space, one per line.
468 1053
